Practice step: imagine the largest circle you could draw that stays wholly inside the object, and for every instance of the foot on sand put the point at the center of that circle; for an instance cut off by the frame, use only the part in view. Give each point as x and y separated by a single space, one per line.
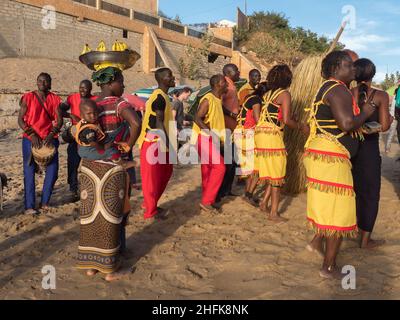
372 244
332 273
251 201
116 276
162 214
91 272
312 249
208 208
263 206
31 211
277 219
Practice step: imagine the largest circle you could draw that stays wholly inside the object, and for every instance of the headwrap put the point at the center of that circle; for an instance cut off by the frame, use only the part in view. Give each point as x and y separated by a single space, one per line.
105 75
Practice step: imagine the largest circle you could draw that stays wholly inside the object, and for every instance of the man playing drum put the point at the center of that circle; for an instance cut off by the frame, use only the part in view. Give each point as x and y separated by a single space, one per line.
38 119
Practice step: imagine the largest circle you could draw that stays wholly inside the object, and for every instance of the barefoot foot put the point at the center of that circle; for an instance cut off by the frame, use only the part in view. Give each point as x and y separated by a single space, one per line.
91 272
116 276
277 219
372 244
332 273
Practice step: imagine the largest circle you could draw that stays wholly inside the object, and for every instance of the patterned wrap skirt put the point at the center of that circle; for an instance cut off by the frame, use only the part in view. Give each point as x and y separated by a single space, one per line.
271 156
331 202
244 143
104 204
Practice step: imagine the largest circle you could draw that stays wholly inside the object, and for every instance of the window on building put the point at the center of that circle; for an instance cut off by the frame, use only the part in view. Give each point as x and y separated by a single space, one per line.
125 34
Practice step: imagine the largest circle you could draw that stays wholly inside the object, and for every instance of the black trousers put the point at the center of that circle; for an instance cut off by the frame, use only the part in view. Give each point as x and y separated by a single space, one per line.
230 172
367 182
397 114
73 164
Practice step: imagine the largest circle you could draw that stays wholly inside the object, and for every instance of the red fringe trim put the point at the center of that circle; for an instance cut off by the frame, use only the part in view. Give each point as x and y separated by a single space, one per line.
333 231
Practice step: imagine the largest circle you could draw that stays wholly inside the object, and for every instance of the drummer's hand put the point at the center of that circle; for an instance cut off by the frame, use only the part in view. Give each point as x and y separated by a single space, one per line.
123 147
36 141
48 140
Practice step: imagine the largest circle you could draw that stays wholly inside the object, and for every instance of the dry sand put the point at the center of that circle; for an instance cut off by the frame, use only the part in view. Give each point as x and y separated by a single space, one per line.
235 255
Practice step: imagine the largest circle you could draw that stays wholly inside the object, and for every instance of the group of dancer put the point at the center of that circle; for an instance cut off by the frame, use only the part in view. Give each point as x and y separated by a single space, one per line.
106 128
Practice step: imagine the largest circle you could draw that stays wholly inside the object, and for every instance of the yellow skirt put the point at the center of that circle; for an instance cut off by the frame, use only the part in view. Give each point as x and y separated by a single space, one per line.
270 155
244 143
331 204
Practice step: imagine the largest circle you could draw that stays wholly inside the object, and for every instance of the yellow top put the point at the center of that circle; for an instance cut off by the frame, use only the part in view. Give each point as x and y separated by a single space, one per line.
214 118
244 91
149 112
266 117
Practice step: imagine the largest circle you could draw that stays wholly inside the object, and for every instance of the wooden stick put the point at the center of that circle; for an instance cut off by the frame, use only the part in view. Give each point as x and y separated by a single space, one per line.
338 35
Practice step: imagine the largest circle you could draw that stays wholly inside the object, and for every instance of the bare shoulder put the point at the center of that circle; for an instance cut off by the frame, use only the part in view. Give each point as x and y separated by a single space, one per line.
338 93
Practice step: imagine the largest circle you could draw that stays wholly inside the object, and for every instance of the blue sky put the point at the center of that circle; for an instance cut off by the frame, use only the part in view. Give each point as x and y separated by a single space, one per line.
373 31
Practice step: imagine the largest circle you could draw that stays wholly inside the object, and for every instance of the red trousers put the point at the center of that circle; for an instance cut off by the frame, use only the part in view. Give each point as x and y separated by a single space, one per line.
155 176
212 169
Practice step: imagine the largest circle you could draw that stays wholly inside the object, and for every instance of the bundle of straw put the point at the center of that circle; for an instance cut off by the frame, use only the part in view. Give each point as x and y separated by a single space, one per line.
307 79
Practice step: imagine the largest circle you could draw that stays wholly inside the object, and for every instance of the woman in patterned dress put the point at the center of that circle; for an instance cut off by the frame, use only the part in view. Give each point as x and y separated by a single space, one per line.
104 183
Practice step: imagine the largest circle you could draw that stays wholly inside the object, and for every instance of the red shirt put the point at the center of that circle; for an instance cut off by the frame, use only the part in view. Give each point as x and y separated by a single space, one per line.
36 117
74 100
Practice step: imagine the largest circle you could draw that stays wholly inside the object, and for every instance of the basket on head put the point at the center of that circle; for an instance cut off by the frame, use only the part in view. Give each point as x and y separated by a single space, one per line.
43 155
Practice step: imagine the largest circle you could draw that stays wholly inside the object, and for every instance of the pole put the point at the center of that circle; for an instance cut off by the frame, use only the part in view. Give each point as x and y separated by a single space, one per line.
339 34
245 7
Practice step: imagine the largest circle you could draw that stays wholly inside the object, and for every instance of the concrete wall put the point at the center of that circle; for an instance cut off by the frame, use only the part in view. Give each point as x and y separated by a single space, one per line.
149 6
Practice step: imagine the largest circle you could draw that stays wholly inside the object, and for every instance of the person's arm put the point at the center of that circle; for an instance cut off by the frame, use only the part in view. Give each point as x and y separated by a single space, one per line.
57 128
36 141
257 112
201 114
174 114
285 101
385 119
341 103
131 117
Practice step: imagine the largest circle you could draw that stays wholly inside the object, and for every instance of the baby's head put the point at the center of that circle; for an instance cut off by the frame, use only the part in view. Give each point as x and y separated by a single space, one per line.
89 111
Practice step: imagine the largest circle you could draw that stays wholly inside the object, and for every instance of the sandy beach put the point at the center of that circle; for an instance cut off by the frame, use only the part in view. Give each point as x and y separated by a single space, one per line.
237 254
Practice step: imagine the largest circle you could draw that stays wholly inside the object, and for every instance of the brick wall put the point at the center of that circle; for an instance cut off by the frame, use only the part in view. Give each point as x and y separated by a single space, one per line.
22 34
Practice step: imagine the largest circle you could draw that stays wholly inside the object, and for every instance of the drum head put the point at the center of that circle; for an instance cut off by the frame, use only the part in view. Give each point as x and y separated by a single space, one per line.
43 155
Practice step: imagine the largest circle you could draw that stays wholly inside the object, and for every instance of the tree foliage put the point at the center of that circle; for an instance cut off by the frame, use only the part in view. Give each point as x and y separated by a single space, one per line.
390 80
283 43
194 65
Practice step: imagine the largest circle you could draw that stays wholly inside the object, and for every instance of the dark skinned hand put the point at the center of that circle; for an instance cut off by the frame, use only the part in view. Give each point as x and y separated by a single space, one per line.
36 141
48 140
